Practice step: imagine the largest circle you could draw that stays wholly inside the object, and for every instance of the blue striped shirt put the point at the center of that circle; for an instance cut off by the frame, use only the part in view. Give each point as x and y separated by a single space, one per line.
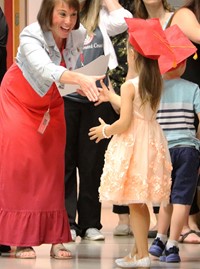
179 103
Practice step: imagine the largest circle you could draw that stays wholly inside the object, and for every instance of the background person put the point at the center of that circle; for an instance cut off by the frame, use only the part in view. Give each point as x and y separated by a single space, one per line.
118 77
102 19
3 43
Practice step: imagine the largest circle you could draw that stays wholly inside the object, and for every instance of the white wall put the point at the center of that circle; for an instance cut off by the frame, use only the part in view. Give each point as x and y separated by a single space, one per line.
32 10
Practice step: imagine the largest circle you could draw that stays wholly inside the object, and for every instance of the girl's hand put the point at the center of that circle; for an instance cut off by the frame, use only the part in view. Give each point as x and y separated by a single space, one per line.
95 133
103 94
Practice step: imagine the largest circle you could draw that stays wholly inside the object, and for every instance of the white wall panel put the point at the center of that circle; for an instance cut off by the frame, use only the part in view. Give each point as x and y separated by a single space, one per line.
32 10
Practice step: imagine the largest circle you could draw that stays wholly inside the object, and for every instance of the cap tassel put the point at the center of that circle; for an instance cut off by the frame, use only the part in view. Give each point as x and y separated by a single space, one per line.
195 57
174 64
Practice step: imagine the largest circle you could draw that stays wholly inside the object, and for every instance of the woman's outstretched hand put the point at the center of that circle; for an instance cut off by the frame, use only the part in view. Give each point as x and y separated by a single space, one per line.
88 87
86 84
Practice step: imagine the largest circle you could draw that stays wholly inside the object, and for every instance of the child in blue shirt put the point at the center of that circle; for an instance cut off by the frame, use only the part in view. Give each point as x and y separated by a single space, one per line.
179 103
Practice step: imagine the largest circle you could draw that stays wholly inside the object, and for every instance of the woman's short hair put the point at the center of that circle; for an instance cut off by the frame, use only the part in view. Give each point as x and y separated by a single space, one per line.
45 13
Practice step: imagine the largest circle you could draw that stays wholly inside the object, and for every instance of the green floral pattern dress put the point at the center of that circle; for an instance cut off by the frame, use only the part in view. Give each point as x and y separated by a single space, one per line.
118 75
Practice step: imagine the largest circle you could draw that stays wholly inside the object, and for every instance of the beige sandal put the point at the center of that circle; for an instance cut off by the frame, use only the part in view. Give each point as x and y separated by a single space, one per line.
25 253
55 249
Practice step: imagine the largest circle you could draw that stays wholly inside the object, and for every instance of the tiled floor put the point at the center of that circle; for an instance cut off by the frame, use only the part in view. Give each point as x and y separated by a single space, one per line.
99 255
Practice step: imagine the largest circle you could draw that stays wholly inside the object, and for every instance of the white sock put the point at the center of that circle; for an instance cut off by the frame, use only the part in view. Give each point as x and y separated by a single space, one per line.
163 237
171 243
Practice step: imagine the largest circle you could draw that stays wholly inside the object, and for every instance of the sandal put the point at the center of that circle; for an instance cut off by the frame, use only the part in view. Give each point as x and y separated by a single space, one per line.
25 253
183 238
55 252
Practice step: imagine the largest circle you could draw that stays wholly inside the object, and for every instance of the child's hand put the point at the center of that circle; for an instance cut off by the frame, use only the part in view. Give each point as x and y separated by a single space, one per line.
103 94
95 133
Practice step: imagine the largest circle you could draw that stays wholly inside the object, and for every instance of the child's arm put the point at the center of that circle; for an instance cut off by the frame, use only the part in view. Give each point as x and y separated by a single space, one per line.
122 124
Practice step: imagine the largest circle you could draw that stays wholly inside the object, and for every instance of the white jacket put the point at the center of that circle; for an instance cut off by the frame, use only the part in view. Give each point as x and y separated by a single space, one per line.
112 24
39 58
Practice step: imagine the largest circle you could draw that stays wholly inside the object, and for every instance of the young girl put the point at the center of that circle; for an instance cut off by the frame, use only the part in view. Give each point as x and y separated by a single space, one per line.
144 10
137 170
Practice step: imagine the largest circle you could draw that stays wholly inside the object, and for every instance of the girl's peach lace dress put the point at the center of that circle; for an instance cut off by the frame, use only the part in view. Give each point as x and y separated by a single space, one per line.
137 165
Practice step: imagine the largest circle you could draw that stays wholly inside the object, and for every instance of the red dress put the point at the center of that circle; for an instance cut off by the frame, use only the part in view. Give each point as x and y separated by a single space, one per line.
32 210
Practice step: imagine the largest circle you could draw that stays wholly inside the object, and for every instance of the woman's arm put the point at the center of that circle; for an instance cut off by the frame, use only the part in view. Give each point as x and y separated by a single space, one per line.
87 83
34 54
122 124
112 17
187 22
111 4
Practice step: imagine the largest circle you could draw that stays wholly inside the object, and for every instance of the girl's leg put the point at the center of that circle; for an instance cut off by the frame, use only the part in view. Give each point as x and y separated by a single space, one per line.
140 221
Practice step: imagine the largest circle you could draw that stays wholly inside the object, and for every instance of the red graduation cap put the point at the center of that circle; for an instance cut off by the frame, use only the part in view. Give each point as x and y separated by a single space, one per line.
169 47
181 46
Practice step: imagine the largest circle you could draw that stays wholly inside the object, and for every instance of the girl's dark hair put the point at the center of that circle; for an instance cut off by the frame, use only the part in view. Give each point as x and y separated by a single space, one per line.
139 9
194 6
45 13
150 80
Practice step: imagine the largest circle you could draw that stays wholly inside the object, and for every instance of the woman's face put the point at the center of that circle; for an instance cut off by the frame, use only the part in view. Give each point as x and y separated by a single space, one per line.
63 20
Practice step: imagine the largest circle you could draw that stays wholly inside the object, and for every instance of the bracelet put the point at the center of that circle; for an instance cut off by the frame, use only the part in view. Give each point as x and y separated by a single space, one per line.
103 131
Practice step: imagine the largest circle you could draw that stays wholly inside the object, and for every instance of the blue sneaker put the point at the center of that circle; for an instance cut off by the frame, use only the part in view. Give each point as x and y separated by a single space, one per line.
157 247
170 255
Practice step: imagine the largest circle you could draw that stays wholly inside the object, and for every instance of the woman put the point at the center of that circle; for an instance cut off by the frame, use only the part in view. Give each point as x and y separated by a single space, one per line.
3 64
102 19
32 133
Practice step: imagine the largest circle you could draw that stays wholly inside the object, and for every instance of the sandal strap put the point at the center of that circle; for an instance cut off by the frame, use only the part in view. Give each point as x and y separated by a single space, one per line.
55 249
20 250
183 236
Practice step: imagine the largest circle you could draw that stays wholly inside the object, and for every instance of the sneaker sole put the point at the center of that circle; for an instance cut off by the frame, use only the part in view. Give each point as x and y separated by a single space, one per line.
155 251
95 238
121 233
170 259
